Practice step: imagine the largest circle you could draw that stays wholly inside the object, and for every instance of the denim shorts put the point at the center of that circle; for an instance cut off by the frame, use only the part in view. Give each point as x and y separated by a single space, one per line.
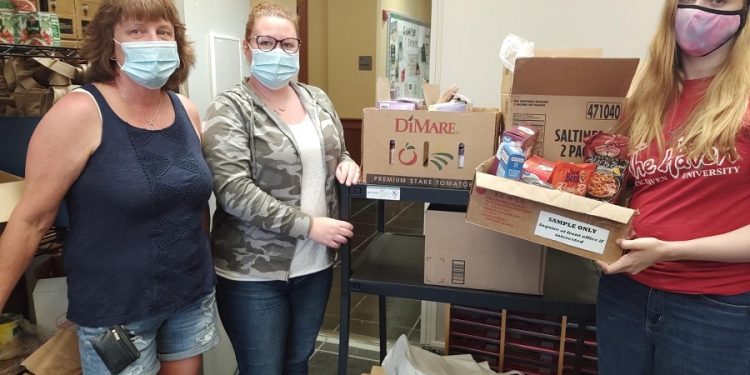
171 336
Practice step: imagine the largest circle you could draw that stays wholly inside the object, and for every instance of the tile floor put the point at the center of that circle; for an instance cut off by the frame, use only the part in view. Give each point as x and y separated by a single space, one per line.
402 314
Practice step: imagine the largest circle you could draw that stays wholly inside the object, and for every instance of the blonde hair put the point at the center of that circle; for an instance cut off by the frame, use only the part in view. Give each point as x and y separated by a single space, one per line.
268 9
713 125
98 45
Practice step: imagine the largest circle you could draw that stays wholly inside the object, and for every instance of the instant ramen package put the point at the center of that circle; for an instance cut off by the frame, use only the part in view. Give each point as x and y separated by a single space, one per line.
572 177
610 154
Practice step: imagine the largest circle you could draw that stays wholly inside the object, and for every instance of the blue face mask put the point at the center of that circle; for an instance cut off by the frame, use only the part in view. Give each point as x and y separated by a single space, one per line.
150 64
274 69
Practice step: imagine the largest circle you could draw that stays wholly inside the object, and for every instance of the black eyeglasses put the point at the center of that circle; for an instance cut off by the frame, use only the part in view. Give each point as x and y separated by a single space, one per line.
268 43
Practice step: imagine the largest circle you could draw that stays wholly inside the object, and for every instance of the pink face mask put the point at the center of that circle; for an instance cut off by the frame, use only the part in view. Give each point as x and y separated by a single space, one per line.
700 31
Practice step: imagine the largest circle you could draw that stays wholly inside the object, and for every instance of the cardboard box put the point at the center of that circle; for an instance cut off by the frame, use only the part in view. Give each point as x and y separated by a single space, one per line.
462 255
426 148
11 188
507 75
568 99
376 370
564 221
506 79
51 305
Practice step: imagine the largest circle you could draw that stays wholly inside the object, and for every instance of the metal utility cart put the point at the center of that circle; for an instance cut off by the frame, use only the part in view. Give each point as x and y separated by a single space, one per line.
393 265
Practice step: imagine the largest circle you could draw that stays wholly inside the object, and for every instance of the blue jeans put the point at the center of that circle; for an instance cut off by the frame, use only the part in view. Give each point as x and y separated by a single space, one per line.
273 325
647 331
172 336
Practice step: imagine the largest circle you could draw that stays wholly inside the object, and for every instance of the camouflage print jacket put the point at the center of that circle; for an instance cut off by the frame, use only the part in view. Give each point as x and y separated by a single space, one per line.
257 178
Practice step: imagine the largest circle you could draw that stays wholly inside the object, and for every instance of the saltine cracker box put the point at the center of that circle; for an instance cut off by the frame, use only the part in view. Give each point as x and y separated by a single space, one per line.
568 99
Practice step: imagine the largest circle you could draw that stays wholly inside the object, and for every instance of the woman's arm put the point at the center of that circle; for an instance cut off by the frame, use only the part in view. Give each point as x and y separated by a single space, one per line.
195 119
730 247
347 171
192 112
226 146
58 151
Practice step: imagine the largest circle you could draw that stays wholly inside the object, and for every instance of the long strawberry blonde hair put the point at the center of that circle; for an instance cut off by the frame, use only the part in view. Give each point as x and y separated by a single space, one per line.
712 127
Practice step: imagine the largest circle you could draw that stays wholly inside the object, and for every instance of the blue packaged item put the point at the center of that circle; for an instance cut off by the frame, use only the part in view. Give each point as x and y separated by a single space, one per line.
510 161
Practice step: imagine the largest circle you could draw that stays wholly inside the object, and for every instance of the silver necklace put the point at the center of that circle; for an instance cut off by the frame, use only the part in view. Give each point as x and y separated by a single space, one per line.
274 107
280 108
150 122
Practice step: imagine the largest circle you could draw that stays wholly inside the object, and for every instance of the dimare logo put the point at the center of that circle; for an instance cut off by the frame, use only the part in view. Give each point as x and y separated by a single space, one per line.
426 126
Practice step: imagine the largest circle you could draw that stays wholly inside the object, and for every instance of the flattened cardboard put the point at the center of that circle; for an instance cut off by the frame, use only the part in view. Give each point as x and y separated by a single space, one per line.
568 99
11 188
423 148
563 221
459 254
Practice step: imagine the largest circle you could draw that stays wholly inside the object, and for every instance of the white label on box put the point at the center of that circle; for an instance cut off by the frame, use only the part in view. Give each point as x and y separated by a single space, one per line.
571 232
389 193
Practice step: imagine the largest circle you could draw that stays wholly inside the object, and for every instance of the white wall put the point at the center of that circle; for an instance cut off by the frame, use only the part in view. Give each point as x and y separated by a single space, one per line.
467 35
201 17
226 17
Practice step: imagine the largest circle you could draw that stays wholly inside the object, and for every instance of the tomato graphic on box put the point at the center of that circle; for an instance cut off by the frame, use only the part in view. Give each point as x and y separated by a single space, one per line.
407 155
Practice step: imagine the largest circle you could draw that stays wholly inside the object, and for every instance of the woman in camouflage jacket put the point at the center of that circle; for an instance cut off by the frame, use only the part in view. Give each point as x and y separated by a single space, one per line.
275 148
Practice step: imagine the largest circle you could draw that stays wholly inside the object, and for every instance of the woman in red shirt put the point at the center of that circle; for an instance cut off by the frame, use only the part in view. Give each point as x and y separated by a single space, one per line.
678 302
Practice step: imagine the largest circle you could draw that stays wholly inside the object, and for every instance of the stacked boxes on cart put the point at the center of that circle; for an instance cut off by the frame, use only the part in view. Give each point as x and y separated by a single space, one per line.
564 100
530 343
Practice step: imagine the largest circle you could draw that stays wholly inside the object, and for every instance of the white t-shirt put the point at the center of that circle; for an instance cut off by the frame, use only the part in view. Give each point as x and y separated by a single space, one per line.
309 256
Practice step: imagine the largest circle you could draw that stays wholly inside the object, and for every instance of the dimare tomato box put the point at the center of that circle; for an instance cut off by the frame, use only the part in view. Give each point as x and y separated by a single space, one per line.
566 99
427 148
553 218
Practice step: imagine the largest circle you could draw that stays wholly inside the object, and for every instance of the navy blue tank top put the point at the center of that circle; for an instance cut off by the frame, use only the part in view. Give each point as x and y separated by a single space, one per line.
136 246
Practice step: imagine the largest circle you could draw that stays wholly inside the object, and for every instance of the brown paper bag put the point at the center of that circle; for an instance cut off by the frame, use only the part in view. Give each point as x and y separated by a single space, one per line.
37 83
58 356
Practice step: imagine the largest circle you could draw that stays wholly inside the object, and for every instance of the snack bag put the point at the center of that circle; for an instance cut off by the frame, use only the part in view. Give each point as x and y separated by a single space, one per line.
609 152
572 177
539 166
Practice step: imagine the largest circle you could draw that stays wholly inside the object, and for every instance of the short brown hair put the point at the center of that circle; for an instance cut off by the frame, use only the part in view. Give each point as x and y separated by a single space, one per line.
268 9
98 45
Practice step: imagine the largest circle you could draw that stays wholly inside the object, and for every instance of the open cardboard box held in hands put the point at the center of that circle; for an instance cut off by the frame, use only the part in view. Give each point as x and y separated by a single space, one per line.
568 222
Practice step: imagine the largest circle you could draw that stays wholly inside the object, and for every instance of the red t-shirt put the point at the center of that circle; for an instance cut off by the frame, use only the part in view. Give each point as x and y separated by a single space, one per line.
679 199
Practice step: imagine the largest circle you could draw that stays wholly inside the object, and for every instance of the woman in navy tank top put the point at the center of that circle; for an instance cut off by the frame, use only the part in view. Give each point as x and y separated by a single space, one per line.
124 152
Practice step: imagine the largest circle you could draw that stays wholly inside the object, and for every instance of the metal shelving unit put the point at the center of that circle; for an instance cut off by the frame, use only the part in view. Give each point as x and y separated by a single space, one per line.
393 265
18 50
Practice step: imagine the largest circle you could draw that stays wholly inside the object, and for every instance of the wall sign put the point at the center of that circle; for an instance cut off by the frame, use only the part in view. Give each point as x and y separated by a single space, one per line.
408 55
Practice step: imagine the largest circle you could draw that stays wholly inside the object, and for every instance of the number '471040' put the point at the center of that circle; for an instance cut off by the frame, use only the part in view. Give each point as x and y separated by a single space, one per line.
603 111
